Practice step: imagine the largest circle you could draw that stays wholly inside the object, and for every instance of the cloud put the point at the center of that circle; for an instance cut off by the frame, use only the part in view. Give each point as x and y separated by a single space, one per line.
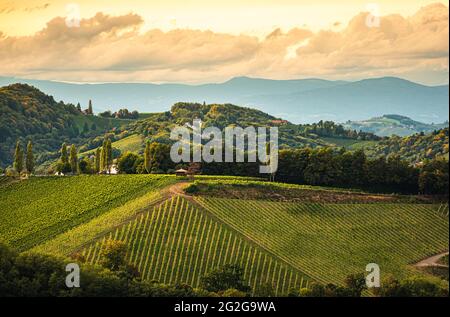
113 48
11 6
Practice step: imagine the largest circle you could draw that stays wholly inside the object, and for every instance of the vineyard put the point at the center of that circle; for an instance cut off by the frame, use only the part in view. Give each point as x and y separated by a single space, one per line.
36 210
329 241
177 242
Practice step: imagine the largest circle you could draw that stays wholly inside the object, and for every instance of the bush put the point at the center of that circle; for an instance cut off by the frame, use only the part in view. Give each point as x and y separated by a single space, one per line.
232 292
415 286
127 163
228 277
192 188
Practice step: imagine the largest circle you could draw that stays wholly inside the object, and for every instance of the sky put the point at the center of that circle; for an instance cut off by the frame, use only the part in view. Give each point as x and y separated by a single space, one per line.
198 41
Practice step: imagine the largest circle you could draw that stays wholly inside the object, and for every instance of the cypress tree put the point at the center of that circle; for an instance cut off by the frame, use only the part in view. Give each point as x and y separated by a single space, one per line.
90 110
18 158
103 157
73 159
108 155
85 128
97 160
147 158
79 107
64 153
29 161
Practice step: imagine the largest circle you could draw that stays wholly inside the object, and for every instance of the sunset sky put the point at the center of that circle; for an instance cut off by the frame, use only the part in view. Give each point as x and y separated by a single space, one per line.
196 41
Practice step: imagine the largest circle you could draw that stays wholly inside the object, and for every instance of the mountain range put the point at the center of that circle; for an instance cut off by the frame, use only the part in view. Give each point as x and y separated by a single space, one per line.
299 101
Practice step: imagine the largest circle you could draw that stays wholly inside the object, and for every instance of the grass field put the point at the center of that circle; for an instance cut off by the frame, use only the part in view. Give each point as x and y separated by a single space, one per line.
177 239
38 209
132 143
177 242
100 122
350 144
330 241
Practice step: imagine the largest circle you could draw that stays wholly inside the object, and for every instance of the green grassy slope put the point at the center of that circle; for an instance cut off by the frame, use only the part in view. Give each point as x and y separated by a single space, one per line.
38 209
132 143
101 123
177 242
330 241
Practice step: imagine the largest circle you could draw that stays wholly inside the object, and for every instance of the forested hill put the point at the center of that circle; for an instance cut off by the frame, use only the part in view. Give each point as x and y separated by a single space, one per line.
29 114
157 126
393 124
415 148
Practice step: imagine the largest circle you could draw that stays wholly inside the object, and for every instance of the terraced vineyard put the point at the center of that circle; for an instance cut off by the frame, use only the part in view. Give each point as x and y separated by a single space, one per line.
177 242
330 241
36 210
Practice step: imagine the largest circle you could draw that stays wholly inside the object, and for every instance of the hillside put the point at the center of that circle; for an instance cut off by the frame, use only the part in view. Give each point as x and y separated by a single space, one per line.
38 209
299 101
173 237
330 241
388 125
415 148
29 114
157 127
176 242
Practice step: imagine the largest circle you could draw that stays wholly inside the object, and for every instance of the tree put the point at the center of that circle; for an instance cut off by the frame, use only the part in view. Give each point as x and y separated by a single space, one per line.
18 158
78 107
85 128
73 159
64 153
90 110
85 166
103 158
97 160
355 283
29 161
229 276
113 254
108 155
127 163
147 158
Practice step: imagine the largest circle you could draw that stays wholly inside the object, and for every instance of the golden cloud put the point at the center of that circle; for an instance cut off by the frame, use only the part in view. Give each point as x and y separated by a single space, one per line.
113 48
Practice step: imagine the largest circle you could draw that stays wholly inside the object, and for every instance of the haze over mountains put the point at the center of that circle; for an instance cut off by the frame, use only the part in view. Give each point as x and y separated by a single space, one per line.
299 101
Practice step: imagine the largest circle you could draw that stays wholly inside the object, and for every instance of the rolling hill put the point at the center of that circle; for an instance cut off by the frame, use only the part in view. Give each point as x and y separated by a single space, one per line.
29 114
388 125
299 101
173 237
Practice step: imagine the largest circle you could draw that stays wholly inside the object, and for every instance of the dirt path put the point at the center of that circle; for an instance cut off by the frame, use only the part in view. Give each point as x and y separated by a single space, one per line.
432 261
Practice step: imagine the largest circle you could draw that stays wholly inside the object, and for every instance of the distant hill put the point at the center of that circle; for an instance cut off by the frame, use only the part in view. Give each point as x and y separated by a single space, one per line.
414 148
157 126
391 124
299 101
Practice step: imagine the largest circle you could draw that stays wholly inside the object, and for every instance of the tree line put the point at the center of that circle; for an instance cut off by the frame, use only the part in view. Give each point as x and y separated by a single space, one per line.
318 167
101 162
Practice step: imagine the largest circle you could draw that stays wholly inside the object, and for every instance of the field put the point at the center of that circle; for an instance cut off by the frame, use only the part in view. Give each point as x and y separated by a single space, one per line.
329 241
38 209
349 144
100 122
176 242
132 143
282 235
